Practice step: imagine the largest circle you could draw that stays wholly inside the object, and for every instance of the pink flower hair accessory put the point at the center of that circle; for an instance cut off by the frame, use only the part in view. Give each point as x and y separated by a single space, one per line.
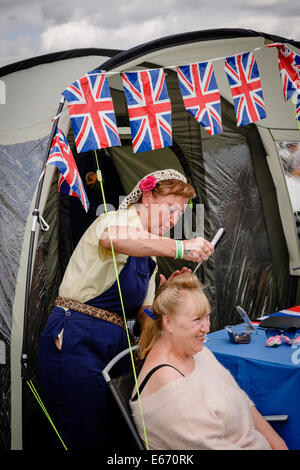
148 183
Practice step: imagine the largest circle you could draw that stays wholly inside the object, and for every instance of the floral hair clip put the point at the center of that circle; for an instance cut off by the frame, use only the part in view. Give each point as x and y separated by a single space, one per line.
148 183
149 313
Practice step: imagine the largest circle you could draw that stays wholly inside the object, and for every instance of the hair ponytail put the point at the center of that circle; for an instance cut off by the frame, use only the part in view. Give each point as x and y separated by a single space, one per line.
167 298
149 336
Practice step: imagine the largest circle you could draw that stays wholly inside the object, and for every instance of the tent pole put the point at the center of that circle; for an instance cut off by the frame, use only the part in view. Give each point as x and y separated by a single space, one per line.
35 220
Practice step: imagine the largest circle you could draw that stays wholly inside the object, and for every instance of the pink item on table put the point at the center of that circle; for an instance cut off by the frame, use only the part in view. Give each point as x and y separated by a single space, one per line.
274 341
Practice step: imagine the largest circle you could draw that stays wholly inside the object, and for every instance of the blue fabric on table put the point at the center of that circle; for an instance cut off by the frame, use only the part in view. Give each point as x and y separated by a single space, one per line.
270 376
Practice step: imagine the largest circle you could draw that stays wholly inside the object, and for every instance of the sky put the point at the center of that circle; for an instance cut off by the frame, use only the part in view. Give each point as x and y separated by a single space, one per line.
34 27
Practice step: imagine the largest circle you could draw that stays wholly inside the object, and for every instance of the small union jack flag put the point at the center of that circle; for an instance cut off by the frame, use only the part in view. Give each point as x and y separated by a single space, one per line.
149 109
201 95
92 112
298 107
69 181
243 77
289 67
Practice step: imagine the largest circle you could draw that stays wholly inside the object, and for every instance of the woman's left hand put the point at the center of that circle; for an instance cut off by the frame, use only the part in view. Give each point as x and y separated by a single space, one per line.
175 273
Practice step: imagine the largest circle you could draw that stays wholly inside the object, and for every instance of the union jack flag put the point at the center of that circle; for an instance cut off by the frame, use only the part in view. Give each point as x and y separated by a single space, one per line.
289 67
298 107
92 112
243 77
201 95
149 109
69 181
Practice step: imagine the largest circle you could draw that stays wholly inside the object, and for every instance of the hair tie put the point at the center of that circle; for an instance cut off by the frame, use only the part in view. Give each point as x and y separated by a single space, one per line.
149 313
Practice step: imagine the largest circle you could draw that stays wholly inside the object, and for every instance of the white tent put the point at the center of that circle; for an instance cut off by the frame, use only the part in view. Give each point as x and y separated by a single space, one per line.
30 96
238 175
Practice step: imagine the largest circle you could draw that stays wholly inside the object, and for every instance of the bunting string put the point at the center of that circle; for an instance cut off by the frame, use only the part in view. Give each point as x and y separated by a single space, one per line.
93 119
214 59
92 111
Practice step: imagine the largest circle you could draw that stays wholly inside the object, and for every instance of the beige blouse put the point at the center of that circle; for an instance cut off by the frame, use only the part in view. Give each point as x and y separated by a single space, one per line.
204 410
91 271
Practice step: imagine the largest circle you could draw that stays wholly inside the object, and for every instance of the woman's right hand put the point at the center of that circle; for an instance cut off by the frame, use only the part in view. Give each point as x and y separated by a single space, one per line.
175 273
197 249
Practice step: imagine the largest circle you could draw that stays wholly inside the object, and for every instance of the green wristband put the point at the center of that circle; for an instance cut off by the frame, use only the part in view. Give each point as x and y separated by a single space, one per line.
179 249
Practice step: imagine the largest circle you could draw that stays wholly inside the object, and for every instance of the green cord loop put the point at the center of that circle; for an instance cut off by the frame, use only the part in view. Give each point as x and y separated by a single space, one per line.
39 400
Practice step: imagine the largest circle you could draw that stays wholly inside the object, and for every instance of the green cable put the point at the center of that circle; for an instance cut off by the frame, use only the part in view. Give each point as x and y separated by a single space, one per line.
39 400
99 177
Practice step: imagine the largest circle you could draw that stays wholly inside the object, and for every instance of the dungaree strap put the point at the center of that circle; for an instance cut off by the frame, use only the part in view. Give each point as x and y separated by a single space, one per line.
141 387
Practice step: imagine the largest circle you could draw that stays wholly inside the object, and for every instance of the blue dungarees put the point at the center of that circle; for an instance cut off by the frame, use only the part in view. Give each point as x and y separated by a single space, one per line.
74 389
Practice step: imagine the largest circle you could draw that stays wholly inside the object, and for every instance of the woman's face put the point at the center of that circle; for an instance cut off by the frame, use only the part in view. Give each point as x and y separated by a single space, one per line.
187 327
164 211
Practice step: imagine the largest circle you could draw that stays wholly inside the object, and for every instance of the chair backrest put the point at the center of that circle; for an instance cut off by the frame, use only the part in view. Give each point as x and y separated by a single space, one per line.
121 389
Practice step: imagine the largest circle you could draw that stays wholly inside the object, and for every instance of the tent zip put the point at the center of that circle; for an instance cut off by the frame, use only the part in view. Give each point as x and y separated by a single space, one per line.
37 218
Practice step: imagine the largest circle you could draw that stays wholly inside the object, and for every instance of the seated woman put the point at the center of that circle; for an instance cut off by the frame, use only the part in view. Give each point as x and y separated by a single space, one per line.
188 399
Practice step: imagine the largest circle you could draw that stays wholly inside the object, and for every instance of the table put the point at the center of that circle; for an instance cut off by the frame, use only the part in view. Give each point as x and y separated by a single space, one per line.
270 376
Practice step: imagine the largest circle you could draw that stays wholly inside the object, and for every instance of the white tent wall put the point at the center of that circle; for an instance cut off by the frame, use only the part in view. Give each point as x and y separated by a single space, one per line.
18 319
32 94
20 169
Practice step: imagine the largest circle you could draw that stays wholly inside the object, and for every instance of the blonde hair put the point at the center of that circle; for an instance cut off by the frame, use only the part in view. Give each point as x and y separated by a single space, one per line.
167 298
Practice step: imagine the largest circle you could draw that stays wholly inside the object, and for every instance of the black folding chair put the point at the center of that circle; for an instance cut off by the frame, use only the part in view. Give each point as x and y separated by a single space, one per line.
121 389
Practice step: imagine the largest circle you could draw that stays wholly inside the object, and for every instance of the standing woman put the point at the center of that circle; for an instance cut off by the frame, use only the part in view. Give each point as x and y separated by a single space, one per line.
85 329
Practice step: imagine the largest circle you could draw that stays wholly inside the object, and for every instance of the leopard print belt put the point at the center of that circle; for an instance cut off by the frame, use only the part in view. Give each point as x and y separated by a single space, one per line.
94 312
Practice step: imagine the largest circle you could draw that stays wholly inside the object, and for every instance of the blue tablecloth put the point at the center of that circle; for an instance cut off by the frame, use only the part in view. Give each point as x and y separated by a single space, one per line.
270 376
